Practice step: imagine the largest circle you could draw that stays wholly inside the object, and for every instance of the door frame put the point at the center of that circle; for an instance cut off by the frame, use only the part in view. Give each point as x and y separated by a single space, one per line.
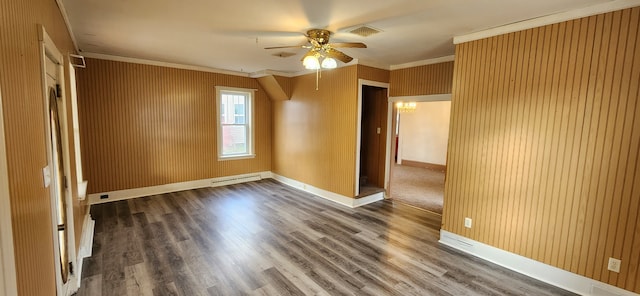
8 283
418 99
361 83
48 49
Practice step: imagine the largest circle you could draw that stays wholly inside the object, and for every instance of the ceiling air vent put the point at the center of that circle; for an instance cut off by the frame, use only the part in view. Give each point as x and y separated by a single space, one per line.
283 54
364 31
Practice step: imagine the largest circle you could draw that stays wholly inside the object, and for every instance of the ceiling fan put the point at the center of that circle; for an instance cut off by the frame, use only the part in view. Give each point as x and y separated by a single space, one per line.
320 48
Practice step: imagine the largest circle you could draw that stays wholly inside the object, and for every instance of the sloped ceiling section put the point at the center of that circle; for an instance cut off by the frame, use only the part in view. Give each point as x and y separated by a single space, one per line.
231 35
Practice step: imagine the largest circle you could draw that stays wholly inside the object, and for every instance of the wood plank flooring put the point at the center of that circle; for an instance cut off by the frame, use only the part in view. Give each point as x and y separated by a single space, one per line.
264 238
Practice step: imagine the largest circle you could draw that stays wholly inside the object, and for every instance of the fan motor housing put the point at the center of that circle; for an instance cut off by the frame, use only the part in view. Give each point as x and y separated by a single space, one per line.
322 36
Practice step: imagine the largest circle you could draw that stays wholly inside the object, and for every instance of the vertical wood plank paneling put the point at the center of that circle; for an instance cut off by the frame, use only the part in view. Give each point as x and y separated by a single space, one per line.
314 133
545 143
373 74
421 80
146 125
285 83
23 111
630 209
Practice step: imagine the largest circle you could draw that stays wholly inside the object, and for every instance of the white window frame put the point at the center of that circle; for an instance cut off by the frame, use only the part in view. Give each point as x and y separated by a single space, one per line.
249 121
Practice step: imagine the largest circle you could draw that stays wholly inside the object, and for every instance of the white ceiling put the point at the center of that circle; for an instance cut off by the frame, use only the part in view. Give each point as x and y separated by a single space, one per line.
231 35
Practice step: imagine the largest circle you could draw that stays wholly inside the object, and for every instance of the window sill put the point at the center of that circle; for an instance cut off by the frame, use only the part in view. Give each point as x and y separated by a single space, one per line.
236 157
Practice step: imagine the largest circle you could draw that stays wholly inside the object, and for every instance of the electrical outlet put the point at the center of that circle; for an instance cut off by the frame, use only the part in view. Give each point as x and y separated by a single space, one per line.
614 264
104 196
467 222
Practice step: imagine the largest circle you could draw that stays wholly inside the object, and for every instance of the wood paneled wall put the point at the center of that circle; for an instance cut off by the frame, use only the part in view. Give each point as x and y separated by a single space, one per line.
147 125
545 145
373 74
21 83
285 83
314 133
422 80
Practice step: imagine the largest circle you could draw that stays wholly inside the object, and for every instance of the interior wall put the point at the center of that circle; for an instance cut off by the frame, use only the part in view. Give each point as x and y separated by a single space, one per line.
424 133
422 80
24 127
314 133
373 74
544 145
146 125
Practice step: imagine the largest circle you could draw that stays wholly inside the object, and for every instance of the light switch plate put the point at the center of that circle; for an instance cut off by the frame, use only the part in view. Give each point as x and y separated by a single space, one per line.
46 176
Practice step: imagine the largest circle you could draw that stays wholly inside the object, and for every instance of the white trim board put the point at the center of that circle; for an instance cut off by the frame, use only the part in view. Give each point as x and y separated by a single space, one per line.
8 284
65 17
94 198
422 98
531 268
86 244
548 20
101 56
439 60
337 198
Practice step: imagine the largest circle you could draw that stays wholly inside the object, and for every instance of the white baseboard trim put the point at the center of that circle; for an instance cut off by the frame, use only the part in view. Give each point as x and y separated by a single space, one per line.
529 267
94 198
337 198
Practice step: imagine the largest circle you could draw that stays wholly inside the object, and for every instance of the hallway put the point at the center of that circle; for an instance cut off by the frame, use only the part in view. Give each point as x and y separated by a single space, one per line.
419 187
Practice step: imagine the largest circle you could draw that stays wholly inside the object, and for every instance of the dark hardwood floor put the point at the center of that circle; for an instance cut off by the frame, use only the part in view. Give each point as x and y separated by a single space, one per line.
264 238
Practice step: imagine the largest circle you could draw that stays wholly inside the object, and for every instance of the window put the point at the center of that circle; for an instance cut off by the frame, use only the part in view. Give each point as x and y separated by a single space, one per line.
235 118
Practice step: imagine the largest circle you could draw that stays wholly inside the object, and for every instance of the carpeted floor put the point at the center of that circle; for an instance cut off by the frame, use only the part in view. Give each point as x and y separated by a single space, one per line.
418 187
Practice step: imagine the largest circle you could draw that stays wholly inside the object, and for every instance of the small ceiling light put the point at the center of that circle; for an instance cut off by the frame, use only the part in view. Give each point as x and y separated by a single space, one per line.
311 62
329 63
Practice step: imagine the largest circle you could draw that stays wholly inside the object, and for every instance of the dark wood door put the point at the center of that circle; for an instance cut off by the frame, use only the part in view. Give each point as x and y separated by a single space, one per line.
373 135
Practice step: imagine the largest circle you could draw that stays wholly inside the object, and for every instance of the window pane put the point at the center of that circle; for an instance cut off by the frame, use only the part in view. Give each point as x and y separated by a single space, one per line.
239 114
232 109
234 139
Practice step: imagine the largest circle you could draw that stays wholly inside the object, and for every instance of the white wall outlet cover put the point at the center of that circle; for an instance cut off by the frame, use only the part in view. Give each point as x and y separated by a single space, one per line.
614 264
467 222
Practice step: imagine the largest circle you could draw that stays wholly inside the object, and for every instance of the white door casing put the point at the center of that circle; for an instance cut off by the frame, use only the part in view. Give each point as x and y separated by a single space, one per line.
52 62
8 284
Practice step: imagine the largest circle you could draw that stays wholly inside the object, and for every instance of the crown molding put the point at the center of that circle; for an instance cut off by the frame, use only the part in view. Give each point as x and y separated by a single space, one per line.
263 73
448 58
65 17
161 64
548 20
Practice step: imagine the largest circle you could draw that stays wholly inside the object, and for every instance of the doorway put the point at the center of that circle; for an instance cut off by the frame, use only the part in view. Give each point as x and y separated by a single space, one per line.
421 138
57 171
373 140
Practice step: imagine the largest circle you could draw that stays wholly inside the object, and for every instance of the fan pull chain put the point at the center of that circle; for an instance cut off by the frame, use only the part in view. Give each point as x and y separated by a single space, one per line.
317 73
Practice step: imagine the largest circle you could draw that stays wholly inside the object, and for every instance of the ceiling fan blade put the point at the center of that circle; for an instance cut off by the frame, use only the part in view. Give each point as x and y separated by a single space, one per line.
338 55
348 44
293 46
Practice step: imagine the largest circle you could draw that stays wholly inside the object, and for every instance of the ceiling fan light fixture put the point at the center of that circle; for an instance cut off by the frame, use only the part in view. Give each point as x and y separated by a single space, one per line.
311 62
329 63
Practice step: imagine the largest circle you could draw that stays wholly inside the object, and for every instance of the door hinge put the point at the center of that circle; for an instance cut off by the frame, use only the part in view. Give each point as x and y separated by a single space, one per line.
66 183
71 268
58 91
